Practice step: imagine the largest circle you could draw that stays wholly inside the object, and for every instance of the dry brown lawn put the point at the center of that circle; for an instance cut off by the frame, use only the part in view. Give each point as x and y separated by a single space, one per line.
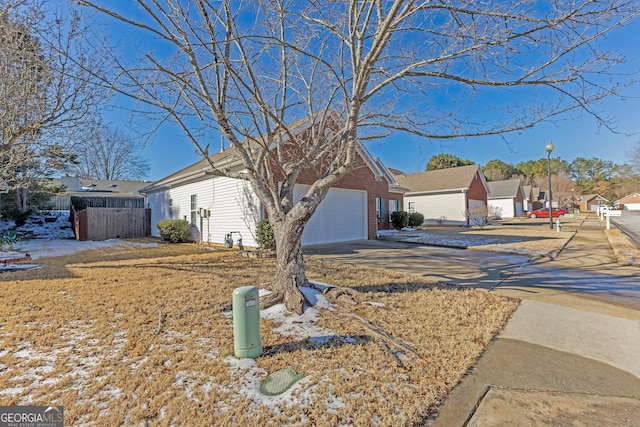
142 337
626 252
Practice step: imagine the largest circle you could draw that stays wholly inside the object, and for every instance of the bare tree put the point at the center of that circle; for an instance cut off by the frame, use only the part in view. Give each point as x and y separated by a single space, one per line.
45 88
253 70
634 156
106 152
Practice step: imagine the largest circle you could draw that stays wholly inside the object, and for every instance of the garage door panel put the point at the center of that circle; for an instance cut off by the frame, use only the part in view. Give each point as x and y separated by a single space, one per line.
341 216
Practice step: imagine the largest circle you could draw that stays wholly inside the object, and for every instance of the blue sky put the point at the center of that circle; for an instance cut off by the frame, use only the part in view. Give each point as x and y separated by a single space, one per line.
574 135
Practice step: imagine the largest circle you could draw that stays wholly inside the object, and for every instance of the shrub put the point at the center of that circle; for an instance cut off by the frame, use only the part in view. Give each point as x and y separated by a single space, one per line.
416 219
478 216
264 235
399 219
494 212
174 230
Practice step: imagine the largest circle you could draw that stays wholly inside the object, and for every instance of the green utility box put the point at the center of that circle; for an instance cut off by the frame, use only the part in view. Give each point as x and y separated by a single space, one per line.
247 341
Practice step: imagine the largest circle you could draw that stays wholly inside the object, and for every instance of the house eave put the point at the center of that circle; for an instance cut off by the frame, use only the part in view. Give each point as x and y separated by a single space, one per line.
447 191
165 184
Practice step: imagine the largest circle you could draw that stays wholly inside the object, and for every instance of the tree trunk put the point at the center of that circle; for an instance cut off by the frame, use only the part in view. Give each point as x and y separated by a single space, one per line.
21 196
290 267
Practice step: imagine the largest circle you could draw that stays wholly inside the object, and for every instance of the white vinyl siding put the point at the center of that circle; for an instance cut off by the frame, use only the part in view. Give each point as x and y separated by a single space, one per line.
233 207
505 205
434 207
341 217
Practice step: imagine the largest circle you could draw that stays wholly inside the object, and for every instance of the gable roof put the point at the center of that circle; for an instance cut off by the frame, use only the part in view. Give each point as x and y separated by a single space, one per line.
229 159
441 180
589 197
629 198
503 189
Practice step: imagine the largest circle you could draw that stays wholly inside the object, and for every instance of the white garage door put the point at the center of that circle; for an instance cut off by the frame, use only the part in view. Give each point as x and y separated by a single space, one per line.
341 217
519 211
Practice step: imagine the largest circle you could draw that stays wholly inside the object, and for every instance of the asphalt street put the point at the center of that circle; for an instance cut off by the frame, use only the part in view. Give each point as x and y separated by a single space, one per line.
629 223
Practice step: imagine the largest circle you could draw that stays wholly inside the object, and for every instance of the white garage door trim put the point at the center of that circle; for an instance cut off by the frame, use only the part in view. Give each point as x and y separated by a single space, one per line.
341 217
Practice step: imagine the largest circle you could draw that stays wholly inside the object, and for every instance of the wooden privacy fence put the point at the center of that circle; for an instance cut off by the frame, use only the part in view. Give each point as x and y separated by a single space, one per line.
111 223
61 202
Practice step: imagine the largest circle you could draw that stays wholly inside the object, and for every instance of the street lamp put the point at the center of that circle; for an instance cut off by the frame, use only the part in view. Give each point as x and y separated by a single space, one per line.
549 149
573 206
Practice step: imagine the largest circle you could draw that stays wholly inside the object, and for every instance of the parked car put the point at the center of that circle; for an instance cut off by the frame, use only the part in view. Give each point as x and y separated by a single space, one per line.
544 213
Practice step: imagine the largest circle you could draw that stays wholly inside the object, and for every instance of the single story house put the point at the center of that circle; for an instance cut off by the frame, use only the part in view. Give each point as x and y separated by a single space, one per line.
506 198
354 209
445 196
98 193
590 202
532 198
630 202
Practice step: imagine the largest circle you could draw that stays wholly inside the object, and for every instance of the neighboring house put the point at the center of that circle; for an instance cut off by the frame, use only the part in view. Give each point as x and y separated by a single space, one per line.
506 198
630 202
108 209
445 196
99 193
590 202
532 198
354 208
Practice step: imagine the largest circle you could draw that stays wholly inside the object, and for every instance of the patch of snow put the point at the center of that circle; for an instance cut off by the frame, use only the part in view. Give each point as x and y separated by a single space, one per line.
376 303
41 239
315 297
247 376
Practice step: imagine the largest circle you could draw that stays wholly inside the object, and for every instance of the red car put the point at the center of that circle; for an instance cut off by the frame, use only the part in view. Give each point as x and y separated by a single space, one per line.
544 213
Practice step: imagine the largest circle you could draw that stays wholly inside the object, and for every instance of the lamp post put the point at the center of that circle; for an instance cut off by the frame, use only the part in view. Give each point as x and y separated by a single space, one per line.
549 149
573 205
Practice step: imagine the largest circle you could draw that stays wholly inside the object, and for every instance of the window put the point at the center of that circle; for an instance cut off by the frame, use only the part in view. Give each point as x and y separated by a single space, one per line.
194 209
380 209
394 206
411 206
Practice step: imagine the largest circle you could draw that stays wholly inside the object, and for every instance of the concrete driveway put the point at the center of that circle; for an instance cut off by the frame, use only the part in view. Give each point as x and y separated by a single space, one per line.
585 268
569 354
448 265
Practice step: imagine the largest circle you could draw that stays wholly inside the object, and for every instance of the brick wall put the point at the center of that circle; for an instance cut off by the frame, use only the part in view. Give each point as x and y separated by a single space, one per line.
362 178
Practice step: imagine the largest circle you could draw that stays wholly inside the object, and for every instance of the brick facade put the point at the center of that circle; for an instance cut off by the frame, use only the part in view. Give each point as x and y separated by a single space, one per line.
362 178
477 190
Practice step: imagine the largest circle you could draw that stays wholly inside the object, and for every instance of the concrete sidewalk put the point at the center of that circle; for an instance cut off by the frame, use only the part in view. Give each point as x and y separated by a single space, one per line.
563 358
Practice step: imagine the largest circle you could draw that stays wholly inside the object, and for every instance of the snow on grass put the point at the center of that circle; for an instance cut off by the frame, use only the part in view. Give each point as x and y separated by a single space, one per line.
500 239
40 238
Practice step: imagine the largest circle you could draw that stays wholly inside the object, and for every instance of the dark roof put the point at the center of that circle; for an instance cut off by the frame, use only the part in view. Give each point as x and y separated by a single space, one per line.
502 189
97 187
449 179
589 197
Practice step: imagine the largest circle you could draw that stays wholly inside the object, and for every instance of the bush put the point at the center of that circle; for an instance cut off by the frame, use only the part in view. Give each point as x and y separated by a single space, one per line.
399 219
174 230
416 219
264 235
79 204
